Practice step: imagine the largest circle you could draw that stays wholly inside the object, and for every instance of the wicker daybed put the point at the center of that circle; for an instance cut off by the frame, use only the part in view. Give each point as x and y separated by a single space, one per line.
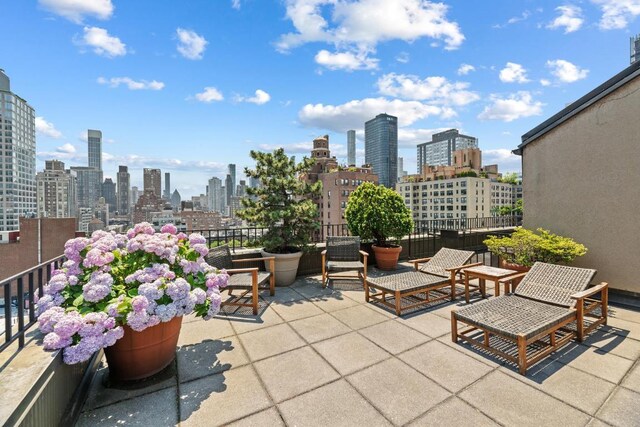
436 274
545 312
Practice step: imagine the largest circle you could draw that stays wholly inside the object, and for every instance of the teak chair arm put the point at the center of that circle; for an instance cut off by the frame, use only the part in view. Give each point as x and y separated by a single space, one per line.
242 270
591 291
510 278
415 262
462 267
271 260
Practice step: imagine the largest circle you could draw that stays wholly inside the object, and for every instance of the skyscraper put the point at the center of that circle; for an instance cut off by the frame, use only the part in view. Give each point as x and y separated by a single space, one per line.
124 180
167 186
56 191
135 195
89 184
232 173
18 162
351 147
439 150
216 197
381 148
228 183
152 181
94 140
635 48
109 194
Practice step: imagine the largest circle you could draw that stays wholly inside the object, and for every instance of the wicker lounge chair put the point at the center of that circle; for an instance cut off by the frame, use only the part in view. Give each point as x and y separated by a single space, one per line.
538 317
250 280
343 254
439 272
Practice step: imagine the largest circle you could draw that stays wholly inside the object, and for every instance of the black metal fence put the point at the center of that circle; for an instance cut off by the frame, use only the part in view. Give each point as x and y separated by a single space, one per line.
249 237
19 292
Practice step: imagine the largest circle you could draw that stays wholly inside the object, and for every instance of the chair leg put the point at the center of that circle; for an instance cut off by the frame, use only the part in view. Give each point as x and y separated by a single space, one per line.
522 354
398 300
272 285
453 286
454 327
254 292
366 291
580 320
324 276
604 301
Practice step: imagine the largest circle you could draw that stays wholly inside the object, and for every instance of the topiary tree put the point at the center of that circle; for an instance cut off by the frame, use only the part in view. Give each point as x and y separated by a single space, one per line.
379 213
283 203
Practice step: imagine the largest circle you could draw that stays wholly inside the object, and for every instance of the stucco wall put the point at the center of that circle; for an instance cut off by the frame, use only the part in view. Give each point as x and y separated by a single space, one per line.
582 180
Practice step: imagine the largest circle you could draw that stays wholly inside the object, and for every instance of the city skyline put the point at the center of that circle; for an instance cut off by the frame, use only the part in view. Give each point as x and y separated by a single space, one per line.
259 78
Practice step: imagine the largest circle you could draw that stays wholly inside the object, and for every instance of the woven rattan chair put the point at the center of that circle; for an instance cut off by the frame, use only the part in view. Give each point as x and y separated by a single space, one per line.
343 254
249 280
436 273
546 311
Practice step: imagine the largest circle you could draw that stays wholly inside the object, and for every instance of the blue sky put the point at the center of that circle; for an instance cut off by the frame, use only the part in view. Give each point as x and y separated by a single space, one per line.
190 86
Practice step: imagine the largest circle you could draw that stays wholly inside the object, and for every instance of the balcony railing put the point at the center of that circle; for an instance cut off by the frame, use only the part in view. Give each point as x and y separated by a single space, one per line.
19 294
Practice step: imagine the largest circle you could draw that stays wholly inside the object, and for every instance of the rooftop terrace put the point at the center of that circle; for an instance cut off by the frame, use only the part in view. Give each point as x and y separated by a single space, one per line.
318 356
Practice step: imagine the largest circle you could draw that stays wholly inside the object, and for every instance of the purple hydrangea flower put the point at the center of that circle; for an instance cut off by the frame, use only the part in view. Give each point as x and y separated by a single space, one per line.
68 325
139 303
48 319
195 238
98 287
199 295
169 228
53 341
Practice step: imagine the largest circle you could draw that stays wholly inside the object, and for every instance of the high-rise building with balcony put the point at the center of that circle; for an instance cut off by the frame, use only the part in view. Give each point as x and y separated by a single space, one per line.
56 192
17 158
152 180
109 194
438 152
351 147
167 186
381 148
123 180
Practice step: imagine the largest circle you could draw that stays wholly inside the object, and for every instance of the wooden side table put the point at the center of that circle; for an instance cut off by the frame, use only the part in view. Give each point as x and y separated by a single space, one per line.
484 273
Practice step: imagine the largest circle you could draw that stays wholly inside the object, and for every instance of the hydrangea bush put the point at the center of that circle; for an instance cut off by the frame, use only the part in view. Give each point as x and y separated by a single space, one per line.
139 279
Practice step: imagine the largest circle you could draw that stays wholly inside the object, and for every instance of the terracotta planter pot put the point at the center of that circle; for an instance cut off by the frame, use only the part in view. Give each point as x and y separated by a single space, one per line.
387 258
286 267
514 267
139 355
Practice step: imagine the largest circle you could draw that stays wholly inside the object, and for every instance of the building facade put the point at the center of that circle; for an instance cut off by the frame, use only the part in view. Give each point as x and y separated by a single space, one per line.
135 195
152 181
635 48
109 194
17 158
175 199
56 191
216 196
439 151
381 148
337 182
232 174
89 185
124 196
444 199
94 148
167 186
351 147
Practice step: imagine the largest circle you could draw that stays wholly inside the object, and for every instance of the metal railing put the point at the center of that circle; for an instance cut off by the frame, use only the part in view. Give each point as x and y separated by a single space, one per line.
249 237
17 299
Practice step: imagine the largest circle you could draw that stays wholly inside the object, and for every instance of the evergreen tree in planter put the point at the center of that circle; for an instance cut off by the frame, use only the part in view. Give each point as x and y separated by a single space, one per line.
379 213
284 205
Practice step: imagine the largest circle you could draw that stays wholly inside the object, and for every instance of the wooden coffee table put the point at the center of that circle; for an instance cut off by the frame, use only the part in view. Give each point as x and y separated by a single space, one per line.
484 273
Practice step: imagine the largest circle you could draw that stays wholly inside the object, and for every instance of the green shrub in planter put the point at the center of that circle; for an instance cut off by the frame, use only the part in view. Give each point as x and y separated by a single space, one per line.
525 247
379 213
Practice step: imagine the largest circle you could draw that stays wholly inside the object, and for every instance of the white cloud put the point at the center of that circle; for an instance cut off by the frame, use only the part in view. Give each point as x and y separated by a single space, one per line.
365 23
465 69
190 44
101 42
348 61
513 73
513 20
47 128
209 94
235 4
515 106
617 14
503 157
545 82
76 10
131 84
293 148
438 89
570 19
353 114
66 148
403 57
260 97
565 71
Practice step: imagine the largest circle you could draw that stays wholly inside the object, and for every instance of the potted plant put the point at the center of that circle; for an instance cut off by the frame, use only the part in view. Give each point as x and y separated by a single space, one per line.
523 248
283 203
379 213
127 293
